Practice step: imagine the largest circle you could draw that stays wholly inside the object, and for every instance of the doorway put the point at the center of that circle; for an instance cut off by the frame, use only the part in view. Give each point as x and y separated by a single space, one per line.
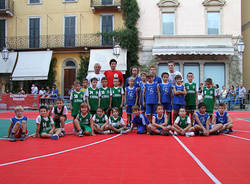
69 71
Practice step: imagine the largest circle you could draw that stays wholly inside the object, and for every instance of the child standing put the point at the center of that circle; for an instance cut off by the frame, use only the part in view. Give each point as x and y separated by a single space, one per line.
179 95
59 113
222 117
191 97
45 125
100 121
209 97
18 125
143 82
166 95
130 98
159 122
84 122
85 84
116 122
104 97
117 94
92 96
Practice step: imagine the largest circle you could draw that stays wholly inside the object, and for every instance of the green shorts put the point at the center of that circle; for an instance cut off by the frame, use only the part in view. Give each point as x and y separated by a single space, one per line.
44 132
85 128
191 107
100 124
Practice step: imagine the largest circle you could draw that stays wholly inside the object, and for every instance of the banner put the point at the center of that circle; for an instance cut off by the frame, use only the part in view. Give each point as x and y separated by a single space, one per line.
12 100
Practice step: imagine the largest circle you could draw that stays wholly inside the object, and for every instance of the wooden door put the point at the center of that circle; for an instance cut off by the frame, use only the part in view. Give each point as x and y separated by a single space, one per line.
69 78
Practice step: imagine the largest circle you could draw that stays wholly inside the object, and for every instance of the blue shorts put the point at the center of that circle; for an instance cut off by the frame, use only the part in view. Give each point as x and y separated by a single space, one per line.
129 109
150 109
142 108
141 129
167 107
177 106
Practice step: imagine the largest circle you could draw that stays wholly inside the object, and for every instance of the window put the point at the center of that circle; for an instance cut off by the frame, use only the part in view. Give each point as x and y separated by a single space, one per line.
2 33
2 5
69 31
34 1
195 69
106 27
70 63
215 72
107 2
168 23
213 23
34 32
164 68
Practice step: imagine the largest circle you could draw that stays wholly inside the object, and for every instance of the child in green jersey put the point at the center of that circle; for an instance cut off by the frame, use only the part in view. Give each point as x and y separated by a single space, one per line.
100 121
76 99
92 96
59 113
191 98
182 123
116 122
117 94
104 97
209 97
45 125
84 122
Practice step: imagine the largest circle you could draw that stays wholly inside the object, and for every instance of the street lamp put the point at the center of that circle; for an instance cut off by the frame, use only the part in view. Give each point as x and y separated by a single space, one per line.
5 54
241 46
116 50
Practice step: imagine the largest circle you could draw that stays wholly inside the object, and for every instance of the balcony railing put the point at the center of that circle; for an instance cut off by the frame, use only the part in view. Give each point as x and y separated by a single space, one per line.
6 7
106 5
58 41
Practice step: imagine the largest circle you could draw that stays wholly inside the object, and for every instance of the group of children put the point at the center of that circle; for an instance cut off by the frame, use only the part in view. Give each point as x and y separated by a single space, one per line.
149 106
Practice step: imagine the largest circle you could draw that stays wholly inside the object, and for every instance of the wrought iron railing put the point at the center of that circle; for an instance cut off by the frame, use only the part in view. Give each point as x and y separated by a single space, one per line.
98 3
7 7
58 41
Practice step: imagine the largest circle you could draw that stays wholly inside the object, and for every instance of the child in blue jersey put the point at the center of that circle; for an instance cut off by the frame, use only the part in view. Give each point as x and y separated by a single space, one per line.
178 96
165 89
143 82
202 124
156 78
159 124
150 96
222 117
131 98
139 120
18 125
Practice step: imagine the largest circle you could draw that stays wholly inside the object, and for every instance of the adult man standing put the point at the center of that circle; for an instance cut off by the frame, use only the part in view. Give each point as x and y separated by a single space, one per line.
172 72
113 73
97 74
242 95
134 73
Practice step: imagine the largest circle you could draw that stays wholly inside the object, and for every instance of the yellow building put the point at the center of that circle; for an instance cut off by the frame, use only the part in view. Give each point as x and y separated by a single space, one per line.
66 27
246 38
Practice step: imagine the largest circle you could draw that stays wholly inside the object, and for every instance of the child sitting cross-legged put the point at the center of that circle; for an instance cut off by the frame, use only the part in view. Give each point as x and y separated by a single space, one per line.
116 123
100 120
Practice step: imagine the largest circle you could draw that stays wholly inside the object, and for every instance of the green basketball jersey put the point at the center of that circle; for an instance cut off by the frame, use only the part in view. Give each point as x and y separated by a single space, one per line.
59 113
77 99
100 120
116 96
183 122
44 125
113 120
84 120
93 97
105 98
208 99
191 94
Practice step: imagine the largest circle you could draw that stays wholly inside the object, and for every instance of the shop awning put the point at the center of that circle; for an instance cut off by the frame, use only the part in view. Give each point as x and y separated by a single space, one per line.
193 50
7 67
103 56
32 66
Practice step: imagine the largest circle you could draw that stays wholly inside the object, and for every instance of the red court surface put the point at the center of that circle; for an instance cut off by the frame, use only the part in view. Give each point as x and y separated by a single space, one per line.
129 159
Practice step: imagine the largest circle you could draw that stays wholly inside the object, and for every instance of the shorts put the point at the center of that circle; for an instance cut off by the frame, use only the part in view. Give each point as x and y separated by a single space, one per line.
190 107
116 125
44 132
19 132
150 109
141 129
167 107
129 109
210 126
85 128
142 108
57 121
177 106
100 124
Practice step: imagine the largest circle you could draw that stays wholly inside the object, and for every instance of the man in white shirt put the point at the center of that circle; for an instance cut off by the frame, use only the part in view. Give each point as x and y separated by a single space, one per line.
172 72
242 95
97 74
34 89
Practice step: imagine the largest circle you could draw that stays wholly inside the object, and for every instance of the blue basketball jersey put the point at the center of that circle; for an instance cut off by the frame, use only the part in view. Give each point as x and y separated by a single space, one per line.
179 99
140 120
165 90
142 86
151 95
159 120
203 118
14 120
221 118
130 95
157 79
136 82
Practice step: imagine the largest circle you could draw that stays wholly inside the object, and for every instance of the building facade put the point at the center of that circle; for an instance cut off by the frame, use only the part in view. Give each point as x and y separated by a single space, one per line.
67 29
201 36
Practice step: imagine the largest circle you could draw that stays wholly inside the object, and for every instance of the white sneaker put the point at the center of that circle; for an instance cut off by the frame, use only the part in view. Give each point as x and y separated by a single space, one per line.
80 133
189 134
175 133
124 131
106 132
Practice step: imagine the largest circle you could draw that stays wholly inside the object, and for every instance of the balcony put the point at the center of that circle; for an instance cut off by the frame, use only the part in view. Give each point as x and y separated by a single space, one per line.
58 41
6 8
105 5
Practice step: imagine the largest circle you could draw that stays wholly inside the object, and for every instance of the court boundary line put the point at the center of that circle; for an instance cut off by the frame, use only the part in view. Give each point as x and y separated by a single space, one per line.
246 139
59 152
242 131
200 164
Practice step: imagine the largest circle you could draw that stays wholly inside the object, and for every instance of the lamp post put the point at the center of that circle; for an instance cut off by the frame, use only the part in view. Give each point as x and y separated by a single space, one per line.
5 54
240 49
116 50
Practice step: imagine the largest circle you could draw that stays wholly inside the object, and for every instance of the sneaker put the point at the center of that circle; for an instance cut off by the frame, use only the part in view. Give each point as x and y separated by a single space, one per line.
175 133
201 133
106 132
12 137
23 136
63 133
128 126
164 132
226 131
189 134
80 133
230 130
54 137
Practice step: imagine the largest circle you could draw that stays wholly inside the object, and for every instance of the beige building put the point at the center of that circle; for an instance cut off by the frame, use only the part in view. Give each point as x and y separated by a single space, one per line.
38 30
201 36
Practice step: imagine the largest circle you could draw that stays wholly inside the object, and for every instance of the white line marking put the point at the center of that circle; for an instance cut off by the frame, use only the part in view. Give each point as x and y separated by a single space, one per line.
202 166
242 131
60 152
237 137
